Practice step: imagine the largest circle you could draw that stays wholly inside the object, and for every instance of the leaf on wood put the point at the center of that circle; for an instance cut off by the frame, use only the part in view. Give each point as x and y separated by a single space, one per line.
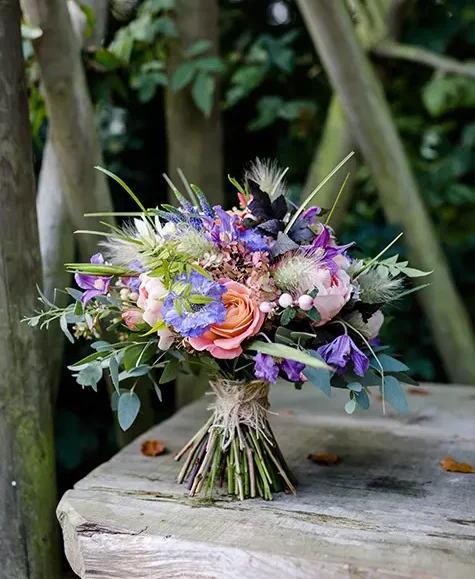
325 458
450 465
417 391
152 448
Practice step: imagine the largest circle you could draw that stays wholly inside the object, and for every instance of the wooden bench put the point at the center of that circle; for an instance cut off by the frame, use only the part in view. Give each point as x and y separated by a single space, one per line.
387 509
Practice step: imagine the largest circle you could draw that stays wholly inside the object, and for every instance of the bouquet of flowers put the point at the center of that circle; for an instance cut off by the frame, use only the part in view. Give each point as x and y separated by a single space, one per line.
255 294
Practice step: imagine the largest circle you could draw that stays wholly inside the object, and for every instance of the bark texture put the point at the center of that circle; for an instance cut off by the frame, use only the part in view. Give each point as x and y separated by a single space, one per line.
367 110
28 534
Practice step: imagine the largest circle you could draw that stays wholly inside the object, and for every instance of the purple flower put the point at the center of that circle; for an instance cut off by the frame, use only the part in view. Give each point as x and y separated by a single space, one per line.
225 231
253 240
339 352
94 285
184 312
133 283
310 214
292 369
266 367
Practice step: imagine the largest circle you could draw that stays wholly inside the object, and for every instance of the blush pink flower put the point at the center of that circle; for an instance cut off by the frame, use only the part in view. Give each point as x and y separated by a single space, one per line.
151 294
243 319
132 318
334 290
374 324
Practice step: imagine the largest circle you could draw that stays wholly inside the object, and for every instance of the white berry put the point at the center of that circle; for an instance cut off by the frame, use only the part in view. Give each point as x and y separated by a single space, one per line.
305 302
265 307
285 300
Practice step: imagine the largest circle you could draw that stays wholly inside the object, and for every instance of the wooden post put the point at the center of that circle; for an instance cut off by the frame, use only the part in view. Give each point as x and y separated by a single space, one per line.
195 143
368 112
28 534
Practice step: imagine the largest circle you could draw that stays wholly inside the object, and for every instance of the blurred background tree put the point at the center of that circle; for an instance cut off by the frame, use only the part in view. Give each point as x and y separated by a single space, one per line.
247 78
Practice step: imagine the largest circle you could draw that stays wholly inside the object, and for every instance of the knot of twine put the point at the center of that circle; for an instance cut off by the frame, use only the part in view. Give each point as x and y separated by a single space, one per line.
238 403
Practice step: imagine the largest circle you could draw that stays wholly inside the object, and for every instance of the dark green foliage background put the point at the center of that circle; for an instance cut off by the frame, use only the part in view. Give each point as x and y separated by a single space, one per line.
274 98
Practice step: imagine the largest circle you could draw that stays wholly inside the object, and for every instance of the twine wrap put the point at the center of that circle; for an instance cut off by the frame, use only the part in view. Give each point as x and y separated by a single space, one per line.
238 403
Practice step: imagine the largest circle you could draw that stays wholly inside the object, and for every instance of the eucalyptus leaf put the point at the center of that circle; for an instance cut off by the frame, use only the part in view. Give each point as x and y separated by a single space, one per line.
362 399
388 363
321 377
402 377
64 327
90 375
350 406
170 371
127 409
114 372
354 386
394 394
134 372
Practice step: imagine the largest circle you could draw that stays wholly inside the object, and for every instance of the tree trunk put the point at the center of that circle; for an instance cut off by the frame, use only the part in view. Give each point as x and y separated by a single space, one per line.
195 143
335 144
28 533
71 118
368 112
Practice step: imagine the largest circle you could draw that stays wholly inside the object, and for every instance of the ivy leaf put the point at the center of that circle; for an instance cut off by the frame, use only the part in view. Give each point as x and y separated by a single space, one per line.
394 394
199 47
127 409
203 91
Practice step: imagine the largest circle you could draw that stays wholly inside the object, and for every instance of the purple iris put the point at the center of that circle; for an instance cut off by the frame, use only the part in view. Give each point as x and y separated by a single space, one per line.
94 285
266 367
339 352
190 319
292 369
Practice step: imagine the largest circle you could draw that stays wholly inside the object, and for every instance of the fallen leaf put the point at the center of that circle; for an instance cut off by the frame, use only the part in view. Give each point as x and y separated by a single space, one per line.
325 458
287 411
450 465
418 391
379 397
152 448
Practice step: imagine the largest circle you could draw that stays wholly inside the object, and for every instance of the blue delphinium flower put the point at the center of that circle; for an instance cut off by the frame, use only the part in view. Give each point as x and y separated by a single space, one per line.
193 314
266 367
253 240
95 285
339 352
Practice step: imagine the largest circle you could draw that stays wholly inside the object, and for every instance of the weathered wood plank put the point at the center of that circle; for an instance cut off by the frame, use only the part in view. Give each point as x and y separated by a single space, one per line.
387 510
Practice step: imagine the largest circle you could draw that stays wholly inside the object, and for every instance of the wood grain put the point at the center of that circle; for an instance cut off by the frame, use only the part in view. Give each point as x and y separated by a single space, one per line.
386 510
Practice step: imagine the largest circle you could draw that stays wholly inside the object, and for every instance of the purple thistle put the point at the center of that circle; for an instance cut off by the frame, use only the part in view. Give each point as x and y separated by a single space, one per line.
190 319
266 367
94 285
339 352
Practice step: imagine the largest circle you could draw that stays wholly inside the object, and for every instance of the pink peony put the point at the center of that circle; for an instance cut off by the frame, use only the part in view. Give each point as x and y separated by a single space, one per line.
151 294
243 319
334 290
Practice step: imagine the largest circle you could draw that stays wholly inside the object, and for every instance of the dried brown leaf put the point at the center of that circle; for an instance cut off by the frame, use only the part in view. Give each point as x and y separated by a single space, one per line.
450 465
152 448
418 391
325 458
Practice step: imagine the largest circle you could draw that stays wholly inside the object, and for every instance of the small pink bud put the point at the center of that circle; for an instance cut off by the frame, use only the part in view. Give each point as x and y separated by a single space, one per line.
132 318
285 300
265 307
305 302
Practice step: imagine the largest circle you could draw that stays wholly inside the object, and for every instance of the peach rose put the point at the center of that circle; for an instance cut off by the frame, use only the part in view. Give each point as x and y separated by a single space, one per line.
243 319
334 290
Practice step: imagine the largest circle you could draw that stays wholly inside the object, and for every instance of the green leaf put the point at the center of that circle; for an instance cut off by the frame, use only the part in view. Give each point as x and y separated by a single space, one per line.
350 406
210 64
131 355
282 351
182 76
114 372
321 377
288 315
101 346
199 299
127 409
166 26
170 371
85 361
135 372
411 272
404 378
283 336
74 293
107 59
388 363
199 47
314 315
203 91
394 394
30 32
64 326
90 375
362 399
354 386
